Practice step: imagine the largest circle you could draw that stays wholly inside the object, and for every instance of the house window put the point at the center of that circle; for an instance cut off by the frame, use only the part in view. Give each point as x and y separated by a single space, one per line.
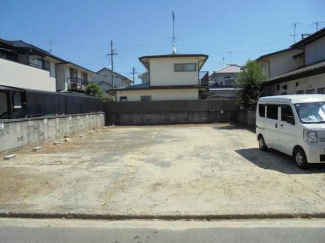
300 92
310 91
321 91
46 66
272 112
185 67
73 75
84 76
297 84
123 98
278 87
145 98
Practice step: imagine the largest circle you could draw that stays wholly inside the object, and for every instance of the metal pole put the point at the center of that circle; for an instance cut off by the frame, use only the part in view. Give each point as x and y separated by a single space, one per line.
112 64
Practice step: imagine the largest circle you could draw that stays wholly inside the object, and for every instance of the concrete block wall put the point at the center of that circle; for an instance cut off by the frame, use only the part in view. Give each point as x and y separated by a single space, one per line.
16 133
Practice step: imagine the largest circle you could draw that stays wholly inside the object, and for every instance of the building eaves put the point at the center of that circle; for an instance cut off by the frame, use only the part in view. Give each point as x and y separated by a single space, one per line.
25 45
302 72
274 53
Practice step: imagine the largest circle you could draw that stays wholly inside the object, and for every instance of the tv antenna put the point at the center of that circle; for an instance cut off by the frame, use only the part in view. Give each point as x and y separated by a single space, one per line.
174 38
317 24
294 33
52 43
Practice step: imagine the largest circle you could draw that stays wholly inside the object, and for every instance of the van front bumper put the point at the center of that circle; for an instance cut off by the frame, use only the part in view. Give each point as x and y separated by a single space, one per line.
315 153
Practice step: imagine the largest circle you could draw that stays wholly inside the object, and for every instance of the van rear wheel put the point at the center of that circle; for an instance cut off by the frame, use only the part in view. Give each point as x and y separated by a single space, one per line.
301 158
262 144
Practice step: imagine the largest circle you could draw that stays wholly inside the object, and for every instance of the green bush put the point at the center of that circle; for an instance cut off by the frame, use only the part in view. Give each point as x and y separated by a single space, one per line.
251 79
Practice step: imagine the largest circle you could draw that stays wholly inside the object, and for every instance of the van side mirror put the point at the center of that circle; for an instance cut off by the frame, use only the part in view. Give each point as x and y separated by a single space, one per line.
290 120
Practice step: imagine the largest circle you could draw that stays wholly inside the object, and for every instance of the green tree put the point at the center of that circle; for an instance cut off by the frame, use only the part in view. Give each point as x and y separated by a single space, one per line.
251 80
95 90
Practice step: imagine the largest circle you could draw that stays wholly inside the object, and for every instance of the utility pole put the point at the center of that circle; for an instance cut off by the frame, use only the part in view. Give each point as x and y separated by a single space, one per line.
174 39
112 62
133 72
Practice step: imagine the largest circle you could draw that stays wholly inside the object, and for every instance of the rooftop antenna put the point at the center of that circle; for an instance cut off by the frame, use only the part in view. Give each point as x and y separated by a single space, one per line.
52 43
174 39
294 33
317 24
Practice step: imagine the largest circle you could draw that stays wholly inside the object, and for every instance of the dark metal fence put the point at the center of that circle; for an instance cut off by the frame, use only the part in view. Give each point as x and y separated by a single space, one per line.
170 112
43 103
21 103
170 106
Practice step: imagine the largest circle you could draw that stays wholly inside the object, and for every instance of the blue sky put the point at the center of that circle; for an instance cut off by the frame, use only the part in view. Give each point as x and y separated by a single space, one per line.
83 29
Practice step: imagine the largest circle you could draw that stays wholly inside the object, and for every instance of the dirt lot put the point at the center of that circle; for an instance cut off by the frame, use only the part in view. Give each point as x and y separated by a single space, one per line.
160 170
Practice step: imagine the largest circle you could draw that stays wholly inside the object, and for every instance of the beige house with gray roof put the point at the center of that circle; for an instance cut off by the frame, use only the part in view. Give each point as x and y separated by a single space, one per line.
297 70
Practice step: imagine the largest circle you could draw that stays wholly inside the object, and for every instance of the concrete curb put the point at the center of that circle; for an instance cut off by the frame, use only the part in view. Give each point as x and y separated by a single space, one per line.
159 217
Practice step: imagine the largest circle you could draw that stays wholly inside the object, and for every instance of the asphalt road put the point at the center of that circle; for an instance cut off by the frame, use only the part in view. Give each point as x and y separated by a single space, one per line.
77 231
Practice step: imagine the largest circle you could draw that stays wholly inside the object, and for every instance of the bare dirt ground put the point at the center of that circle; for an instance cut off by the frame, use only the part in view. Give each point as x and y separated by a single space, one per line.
160 170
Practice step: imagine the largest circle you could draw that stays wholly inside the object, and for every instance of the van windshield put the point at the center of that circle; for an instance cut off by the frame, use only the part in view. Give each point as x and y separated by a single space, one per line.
311 112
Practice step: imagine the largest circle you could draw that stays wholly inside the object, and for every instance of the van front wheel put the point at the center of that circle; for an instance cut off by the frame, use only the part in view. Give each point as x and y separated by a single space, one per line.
261 143
301 158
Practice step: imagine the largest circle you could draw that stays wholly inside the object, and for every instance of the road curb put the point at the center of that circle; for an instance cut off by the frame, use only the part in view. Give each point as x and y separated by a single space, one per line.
159 217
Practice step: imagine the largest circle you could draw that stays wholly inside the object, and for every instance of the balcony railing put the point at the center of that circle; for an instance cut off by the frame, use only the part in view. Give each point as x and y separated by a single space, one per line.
14 59
77 84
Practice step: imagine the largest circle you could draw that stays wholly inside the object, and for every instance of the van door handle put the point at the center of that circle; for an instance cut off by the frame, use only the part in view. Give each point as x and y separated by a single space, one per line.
276 125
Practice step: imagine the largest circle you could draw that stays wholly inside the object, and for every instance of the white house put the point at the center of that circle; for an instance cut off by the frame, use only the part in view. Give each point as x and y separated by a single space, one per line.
26 66
222 82
144 77
226 75
104 80
171 77
299 69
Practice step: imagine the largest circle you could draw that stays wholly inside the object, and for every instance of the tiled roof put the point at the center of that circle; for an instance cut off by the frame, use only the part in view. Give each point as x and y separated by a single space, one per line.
231 68
298 72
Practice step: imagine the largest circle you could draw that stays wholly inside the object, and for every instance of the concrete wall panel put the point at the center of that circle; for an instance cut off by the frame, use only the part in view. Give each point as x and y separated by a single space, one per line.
17 133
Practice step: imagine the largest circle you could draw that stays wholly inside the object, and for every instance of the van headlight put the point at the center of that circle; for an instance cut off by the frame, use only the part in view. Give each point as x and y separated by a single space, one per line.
310 136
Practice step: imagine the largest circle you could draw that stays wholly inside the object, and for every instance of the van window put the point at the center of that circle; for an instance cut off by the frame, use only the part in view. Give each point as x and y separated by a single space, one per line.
261 110
285 112
272 112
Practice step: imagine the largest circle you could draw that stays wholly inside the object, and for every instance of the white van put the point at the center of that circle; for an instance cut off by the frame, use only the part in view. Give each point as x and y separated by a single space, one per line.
293 124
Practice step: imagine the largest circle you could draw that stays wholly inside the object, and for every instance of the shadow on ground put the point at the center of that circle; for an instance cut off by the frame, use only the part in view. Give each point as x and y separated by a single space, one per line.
277 161
232 127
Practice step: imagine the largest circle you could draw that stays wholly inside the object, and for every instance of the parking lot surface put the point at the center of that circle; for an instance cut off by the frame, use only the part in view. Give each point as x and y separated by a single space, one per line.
214 169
